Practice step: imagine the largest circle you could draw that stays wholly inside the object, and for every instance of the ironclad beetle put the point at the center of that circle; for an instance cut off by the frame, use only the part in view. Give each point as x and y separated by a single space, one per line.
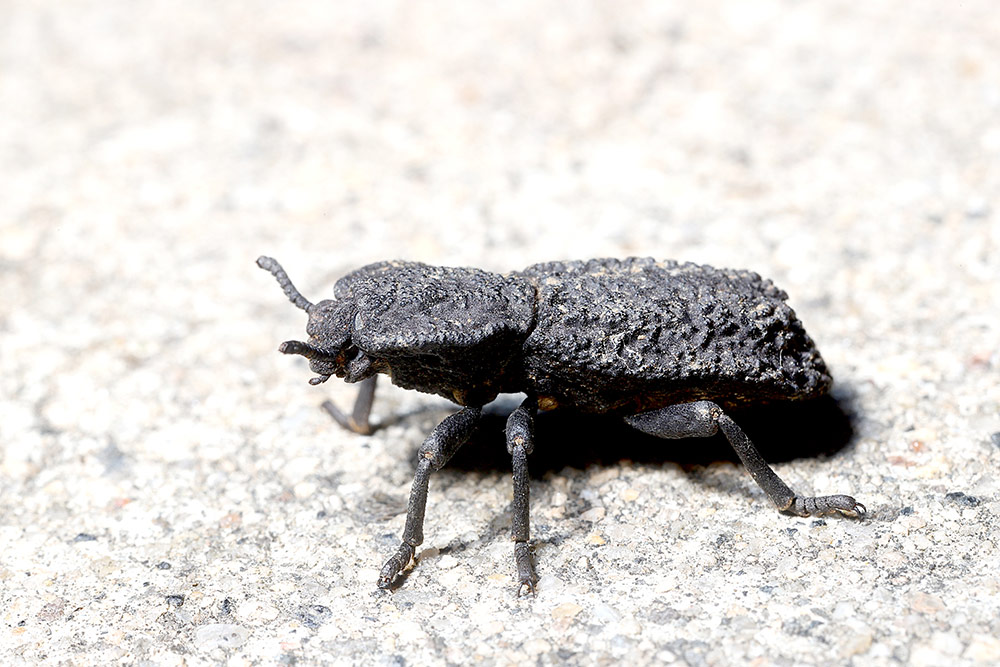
668 347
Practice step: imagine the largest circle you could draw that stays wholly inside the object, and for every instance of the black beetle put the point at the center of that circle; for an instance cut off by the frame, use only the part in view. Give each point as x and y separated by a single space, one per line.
665 346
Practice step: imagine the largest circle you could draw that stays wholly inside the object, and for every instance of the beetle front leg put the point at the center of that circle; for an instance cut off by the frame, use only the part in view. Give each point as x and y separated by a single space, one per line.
357 421
520 443
703 419
439 446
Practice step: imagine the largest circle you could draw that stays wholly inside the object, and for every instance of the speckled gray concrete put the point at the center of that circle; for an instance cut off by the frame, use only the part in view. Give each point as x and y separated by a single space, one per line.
172 493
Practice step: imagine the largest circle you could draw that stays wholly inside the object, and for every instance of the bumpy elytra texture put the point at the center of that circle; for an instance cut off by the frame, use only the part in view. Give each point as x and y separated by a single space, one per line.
636 334
605 335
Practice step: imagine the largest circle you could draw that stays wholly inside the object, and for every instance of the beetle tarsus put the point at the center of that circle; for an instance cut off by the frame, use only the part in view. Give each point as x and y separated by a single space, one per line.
526 576
817 506
395 565
358 421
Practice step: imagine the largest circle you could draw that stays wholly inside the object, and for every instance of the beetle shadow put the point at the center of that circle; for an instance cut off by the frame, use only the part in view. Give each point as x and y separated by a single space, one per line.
781 431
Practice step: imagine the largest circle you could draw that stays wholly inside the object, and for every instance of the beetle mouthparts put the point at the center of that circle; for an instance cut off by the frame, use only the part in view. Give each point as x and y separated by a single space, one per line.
358 368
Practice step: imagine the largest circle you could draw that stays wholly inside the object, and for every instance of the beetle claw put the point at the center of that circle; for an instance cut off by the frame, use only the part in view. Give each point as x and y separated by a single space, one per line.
859 510
530 585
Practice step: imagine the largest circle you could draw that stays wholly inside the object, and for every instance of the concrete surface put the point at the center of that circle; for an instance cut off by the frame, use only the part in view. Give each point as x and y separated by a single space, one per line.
173 495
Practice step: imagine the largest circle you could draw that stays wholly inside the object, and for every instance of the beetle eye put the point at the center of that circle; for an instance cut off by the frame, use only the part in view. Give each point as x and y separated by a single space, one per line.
358 368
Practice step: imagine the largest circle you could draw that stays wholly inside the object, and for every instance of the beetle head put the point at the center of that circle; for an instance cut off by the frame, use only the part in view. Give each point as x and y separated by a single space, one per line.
329 350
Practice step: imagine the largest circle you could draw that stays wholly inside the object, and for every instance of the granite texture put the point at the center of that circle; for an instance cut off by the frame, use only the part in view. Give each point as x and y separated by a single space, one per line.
173 494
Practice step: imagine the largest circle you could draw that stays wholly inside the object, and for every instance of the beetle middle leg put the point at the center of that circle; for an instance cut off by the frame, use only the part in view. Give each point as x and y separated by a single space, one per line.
705 418
357 421
439 446
520 443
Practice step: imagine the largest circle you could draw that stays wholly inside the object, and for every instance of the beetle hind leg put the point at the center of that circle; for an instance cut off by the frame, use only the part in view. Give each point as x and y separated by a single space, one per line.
705 418
357 421
520 443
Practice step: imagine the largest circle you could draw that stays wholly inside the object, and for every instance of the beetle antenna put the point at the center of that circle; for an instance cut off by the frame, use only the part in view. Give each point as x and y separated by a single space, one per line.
269 264
309 352
304 349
